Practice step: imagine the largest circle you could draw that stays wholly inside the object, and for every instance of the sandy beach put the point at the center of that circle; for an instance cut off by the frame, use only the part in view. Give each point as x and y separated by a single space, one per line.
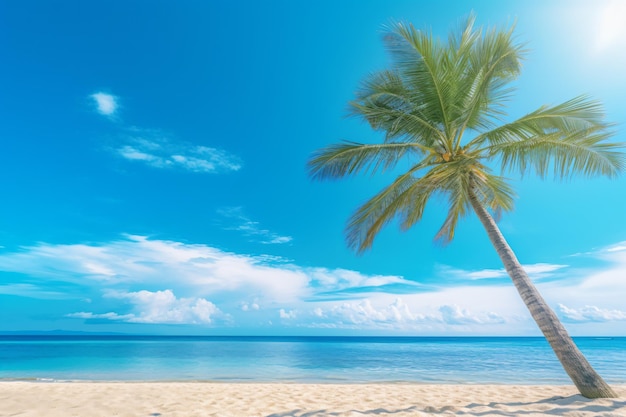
156 399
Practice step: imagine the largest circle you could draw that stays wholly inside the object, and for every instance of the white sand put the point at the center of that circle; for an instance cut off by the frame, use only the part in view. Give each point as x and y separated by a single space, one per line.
164 399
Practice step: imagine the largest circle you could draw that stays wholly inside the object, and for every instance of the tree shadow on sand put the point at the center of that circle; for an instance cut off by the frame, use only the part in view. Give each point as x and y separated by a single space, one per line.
326 413
556 406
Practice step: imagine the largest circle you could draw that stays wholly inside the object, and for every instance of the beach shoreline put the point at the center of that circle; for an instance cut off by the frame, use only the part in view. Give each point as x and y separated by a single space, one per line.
254 399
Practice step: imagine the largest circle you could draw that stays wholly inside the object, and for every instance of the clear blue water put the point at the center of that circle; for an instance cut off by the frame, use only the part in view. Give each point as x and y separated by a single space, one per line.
301 359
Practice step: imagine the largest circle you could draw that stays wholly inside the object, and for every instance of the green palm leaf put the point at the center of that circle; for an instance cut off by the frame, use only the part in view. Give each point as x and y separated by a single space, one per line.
405 193
347 158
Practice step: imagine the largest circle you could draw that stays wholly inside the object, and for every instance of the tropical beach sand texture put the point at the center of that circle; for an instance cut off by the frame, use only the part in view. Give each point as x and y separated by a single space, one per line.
165 399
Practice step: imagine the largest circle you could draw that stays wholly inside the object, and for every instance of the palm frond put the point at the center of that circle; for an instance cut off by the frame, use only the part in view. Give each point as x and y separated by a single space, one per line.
453 180
465 36
494 62
583 151
492 191
339 160
484 65
576 114
471 176
388 87
399 125
458 207
424 61
406 196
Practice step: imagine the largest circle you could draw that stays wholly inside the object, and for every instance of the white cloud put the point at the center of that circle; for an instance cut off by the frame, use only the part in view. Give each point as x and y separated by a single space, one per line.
453 314
617 248
164 307
161 153
129 152
590 314
615 252
360 313
30 290
106 104
159 307
602 285
485 274
250 228
198 269
380 312
154 148
535 271
253 306
339 279
365 313
286 314
542 270
278 240
104 316
160 281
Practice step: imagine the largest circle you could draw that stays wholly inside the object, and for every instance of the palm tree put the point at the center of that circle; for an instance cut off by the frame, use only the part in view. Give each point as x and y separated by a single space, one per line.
441 107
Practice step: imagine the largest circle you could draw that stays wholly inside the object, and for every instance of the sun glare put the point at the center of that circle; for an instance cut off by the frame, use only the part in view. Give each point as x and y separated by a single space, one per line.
610 29
594 33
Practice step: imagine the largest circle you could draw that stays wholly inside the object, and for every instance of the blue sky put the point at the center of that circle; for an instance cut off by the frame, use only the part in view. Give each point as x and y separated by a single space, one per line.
154 176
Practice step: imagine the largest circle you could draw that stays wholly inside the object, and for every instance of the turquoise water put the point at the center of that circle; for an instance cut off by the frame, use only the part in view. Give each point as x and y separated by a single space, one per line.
301 359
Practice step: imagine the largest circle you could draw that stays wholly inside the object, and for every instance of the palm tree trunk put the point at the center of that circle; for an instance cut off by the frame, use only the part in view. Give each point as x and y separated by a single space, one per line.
586 379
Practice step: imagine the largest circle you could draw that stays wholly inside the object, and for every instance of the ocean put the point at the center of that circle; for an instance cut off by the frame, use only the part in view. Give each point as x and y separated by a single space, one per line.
457 360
